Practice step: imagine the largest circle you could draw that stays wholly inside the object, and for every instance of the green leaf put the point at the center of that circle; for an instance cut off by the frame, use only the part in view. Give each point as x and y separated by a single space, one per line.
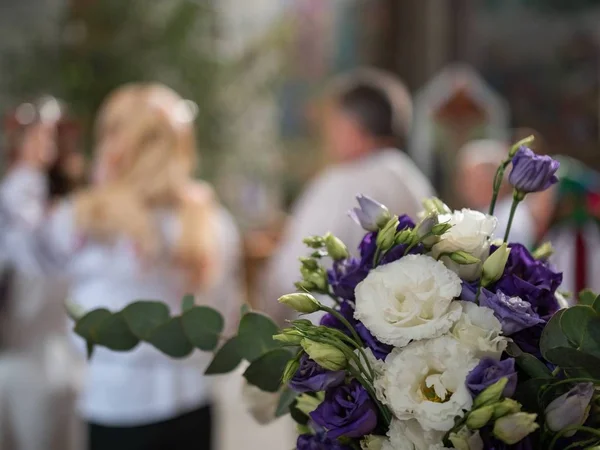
256 332
591 343
227 358
527 394
587 297
245 309
88 324
596 305
266 371
144 317
553 336
286 399
170 339
573 323
187 302
114 334
533 366
570 358
203 326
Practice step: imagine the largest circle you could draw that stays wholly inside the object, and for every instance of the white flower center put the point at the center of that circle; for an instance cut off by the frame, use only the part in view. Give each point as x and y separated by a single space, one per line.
433 389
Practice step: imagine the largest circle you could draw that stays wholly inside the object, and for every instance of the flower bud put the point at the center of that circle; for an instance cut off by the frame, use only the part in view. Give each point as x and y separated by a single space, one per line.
571 408
544 251
318 277
309 263
335 247
515 427
440 229
463 258
404 237
385 237
314 242
372 442
491 394
440 206
289 336
370 215
479 417
307 403
493 267
301 302
325 355
465 439
304 285
523 142
505 407
290 370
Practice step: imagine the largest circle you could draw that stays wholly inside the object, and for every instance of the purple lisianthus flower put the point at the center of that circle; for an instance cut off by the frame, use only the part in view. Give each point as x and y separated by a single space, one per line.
532 280
346 411
345 275
528 339
469 291
531 172
318 442
489 371
514 313
346 309
311 377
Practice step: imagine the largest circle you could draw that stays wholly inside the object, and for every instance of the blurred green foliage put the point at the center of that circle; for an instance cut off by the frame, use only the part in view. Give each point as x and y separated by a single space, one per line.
103 44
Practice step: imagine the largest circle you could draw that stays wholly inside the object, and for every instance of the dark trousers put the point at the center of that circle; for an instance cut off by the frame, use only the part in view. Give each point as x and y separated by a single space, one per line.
190 431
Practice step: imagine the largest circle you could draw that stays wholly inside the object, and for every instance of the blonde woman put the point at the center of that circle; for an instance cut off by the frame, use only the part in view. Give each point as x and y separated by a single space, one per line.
144 231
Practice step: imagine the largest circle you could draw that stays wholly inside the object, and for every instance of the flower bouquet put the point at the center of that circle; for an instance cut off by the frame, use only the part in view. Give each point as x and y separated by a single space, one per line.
435 337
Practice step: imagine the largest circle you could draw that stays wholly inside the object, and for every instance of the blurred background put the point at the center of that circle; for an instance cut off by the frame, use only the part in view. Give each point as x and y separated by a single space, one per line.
254 69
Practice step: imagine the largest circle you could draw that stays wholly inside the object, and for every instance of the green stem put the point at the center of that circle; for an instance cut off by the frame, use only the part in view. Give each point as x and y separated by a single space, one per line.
497 183
342 319
345 338
567 430
517 197
376 257
417 242
385 413
334 298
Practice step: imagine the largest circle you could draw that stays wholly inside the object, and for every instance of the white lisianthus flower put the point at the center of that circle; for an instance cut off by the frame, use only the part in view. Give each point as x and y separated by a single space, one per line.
409 299
471 232
426 381
480 331
409 435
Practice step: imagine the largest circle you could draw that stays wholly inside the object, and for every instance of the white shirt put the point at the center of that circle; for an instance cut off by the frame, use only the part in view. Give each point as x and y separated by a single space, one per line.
121 389
387 175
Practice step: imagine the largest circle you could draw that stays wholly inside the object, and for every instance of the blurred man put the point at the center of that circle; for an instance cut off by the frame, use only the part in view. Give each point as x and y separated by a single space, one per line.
476 167
367 123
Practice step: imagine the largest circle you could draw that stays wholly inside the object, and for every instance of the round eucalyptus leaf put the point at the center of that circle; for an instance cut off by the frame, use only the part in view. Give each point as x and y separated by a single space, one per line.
573 323
203 326
144 317
266 371
113 333
256 332
553 336
227 358
170 339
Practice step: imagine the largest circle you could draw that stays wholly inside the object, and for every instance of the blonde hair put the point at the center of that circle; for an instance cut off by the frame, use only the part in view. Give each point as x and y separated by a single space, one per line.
151 170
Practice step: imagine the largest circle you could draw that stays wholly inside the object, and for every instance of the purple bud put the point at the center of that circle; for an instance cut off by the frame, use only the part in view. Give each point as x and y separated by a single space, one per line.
371 215
531 172
570 409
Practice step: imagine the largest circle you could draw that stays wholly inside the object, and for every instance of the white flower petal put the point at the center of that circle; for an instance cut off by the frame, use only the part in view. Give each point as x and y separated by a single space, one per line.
409 299
443 361
409 435
471 232
480 331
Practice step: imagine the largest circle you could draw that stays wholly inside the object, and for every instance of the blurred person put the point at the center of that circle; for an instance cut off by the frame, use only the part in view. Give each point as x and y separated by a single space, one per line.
574 226
38 369
365 128
476 167
145 230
